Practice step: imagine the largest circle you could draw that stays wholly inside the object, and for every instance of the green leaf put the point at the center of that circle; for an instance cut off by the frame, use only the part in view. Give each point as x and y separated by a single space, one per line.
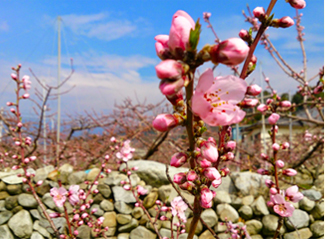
195 36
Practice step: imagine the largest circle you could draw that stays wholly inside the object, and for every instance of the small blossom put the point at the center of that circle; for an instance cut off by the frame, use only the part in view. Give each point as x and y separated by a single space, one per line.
289 172
254 90
169 69
281 207
178 208
209 151
162 48
178 159
170 88
285 145
283 22
126 152
293 194
230 156
212 173
180 178
286 103
244 34
191 175
298 4
275 147
274 117
249 103
231 145
206 198
26 82
141 190
279 163
259 12
262 108
73 194
164 122
59 196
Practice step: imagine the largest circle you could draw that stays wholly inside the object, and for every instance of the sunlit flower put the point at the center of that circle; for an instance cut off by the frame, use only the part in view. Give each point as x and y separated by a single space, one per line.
178 208
59 195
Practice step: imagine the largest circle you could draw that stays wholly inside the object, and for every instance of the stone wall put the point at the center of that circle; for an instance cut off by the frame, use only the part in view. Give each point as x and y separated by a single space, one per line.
239 198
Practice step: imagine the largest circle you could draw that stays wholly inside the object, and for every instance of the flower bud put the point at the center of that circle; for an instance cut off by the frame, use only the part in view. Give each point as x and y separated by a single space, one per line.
285 145
273 191
170 88
25 96
275 147
224 172
191 175
274 117
249 103
259 12
180 178
244 34
269 183
211 173
169 69
164 122
253 90
262 108
178 159
229 52
298 4
231 145
206 198
269 101
209 151
162 48
283 22
230 156
289 172
285 104
279 163
14 76
204 163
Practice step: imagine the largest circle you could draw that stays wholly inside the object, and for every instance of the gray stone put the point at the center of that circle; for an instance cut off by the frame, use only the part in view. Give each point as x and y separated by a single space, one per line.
226 211
21 224
153 173
253 227
150 200
312 194
141 232
5 216
111 232
248 183
3 186
64 172
224 236
236 202
11 202
122 207
227 185
245 212
306 204
107 206
222 197
123 236
104 190
206 235
248 200
5 232
84 232
40 229
299 219
185 235
256 237
27 200
47 199
93 173
270 224
137 212
198 228
13 178
59 223
209 217
2 205
109 219
35 214
167 233
167 193
115 178
36 235
4 195
134 179
220 227
318 211
120 194
77 177
14 189
97 199
41 173
259 207
302 233
317 228
123 219
99 212
130 226
149 225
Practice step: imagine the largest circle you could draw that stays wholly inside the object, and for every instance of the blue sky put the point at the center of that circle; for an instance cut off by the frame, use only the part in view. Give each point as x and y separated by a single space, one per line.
112 44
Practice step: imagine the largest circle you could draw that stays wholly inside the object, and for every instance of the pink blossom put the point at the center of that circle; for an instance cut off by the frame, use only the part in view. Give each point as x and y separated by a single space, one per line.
191 175
26 83
262 171
179 33
162 48
269 183
141 190
178 159
59 195
281 207
215 99
269 101
249 103
209 151
259 12
285 145
126 152
206 198
308 136
283 22
204 163
212 173
170 88
229 52
279 163
274 117
178 208
230 156
298 4
231 145
254 90
164 122
275 147
293 194
180 178
262 108
286 103
289 172
169 69
216 183
73 194
243 34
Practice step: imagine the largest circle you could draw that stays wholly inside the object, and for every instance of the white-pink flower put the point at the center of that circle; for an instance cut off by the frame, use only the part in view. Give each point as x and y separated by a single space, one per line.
126 152
215 99
73 194
293 194
26 82
59 195
281 206
178 208
141 190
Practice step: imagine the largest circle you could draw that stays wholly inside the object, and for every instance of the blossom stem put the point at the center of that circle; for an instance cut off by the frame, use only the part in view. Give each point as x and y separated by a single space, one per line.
256 40
197 210
277 232
275 158
67 219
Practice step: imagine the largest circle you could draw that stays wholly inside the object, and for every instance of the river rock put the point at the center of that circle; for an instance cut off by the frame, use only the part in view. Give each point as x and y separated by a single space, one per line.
302 233
318 211
249 183
270 224
130 226
226 211
137 212
198 229
206 235
115 178
40 229
253 226
77 177
27 200
222 197
150 200
209 217
64 172
5 216
11 202
84 232
312 194
21 224
41 173
122 207
107 206
109 219
14 189
105 190
93 173
317 228
245 212
5 232
123 219
299 220
141 232
306 204
120 194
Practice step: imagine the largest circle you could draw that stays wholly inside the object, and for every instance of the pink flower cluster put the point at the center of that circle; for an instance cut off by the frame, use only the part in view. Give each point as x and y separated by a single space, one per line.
60 195
126 152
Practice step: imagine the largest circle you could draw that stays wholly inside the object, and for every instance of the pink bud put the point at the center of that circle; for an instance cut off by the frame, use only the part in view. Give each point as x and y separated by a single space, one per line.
262 108
212 173
259 12
80 223
161 45
191 175
178 159
270 203
10 103
206 198
127 187
285 145
39 183
164 208
230 156
20 124
273 191
76 217
253 90
164 122
249 103
26 160
224 172
286 103
267 79
269 101
231 145
180 178
25 96
12 110
163 218
14 76
289 172
283 22
274 117
204 163
54 214
279 163
229 52
269 183
169 69
171 87
243 34
32 158
298 4
209 151
75 232
275 147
